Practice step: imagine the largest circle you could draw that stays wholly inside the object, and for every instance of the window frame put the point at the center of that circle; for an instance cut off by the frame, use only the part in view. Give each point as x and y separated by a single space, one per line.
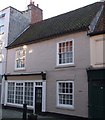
19 88
10 92
20 68
29 90
40 83
62 64
23 95
2 24
1 29
1 47
66 106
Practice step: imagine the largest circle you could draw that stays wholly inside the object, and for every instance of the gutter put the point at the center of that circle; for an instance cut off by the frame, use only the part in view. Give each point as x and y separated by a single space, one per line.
96 33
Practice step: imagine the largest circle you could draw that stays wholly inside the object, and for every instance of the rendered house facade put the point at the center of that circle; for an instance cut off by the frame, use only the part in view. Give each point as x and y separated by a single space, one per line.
49 63
55 74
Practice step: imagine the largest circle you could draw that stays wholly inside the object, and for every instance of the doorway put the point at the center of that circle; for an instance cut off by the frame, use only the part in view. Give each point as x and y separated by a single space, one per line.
38 100
96 93
96 99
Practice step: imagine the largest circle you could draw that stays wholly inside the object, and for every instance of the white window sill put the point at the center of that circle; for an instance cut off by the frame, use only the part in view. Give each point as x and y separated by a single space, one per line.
19 69
65 66
66 108
18 105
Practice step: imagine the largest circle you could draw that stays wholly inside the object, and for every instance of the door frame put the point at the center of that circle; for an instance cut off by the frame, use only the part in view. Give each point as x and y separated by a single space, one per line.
36 88
43 86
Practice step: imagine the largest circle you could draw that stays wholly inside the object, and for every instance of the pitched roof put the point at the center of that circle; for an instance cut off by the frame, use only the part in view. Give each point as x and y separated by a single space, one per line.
72 21
100 27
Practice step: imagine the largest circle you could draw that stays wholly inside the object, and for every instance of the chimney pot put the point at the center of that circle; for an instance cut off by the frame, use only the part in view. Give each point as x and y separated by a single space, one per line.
37 5
30 1
36 13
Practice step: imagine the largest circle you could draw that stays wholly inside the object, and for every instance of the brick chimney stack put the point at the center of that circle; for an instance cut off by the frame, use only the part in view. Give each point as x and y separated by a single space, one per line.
36 14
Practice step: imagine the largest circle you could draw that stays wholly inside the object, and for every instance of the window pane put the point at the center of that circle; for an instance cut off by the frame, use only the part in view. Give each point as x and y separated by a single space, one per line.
29 93
19 93
10 97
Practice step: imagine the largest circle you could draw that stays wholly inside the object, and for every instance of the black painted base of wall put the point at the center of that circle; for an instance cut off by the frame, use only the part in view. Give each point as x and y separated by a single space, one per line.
16 108
63 116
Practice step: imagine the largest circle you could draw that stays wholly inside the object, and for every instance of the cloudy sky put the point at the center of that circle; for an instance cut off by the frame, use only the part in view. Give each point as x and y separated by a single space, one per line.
50 7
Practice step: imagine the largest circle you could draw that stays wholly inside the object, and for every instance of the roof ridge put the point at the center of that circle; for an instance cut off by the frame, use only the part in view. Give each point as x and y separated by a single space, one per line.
72 21
65 13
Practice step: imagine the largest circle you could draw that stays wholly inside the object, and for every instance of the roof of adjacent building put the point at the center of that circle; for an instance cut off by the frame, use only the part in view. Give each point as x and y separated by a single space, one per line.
100 26
73 21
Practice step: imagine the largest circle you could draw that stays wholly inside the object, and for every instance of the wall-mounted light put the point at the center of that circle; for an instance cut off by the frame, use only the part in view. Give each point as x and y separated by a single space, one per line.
24 46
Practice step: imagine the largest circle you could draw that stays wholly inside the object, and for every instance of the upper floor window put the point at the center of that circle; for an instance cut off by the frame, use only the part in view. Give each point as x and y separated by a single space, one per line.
65 54
1 29
0 57
1 45
1 26
20 58
2 15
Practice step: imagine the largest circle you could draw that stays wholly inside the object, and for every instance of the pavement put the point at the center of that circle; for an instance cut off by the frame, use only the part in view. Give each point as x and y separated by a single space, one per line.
16 114
11 114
